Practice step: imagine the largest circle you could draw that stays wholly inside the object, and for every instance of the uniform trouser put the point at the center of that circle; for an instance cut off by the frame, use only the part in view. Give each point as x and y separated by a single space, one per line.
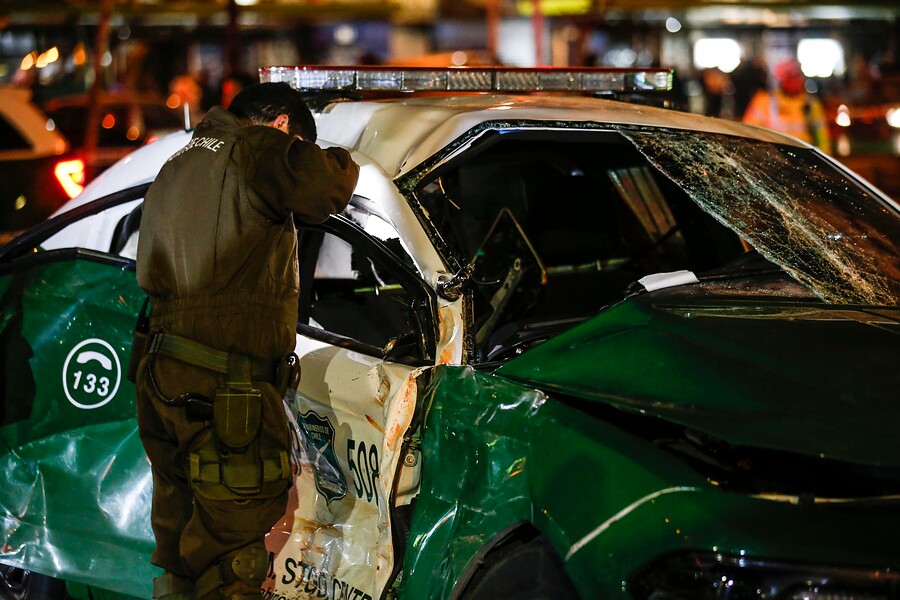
193 532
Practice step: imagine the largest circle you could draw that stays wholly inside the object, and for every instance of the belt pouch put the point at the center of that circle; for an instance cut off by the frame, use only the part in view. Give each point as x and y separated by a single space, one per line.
237 418
237 410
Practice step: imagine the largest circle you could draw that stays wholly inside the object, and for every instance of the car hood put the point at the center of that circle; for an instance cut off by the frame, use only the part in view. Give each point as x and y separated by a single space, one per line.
797 376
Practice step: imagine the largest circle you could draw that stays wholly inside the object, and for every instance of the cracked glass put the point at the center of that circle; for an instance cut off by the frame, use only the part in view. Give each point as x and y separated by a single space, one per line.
790 204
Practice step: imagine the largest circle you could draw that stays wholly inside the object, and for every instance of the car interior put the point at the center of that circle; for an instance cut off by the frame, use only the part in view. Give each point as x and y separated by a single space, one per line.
559 224
555 226
360 288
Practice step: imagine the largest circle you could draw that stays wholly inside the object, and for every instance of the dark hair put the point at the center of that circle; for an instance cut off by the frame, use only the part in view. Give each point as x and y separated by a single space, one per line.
261 103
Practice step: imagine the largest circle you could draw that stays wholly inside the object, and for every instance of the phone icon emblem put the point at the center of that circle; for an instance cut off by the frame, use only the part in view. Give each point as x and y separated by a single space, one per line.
86 356
91 373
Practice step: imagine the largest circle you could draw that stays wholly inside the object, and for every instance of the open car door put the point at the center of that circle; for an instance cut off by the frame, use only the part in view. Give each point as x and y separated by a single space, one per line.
367 332
75 503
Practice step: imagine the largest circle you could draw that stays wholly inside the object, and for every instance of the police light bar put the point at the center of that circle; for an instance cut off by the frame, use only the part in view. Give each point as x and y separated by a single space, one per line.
469 79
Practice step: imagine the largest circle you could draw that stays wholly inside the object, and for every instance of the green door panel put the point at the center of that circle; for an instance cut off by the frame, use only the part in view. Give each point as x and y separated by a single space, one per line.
77 496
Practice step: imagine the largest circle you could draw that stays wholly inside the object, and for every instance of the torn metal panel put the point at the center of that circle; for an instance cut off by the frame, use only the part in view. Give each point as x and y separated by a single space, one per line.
338 540
476 448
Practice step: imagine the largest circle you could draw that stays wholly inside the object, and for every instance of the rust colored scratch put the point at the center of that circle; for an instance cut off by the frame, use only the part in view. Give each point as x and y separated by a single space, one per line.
374 424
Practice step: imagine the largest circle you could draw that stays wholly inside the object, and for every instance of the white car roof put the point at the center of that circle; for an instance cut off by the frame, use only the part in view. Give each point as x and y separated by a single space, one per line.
400 134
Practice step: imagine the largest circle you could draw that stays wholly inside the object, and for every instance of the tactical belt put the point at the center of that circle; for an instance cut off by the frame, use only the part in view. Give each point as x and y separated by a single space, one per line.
169 586
201 355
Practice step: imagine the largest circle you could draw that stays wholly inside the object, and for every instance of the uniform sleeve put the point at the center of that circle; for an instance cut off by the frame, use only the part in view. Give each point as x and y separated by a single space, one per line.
289 175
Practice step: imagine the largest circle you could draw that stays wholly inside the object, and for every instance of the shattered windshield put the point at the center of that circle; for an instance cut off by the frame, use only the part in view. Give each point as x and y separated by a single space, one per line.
792 206
558 224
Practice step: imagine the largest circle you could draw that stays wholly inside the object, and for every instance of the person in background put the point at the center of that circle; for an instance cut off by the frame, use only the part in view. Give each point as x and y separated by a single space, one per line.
749 77
218 259
789 108
715 86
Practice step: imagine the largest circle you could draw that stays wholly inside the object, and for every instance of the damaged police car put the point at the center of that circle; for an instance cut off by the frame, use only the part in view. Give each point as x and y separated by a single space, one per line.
558 346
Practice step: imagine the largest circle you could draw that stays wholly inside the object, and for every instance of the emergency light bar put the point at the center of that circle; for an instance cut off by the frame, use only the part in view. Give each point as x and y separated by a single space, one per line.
469 79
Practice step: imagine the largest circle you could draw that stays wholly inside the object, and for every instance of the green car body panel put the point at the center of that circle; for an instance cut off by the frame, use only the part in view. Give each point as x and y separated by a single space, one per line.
76 502
499 452
769 373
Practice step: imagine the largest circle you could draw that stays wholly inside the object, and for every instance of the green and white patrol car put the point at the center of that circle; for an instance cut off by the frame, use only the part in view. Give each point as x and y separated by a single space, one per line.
558 346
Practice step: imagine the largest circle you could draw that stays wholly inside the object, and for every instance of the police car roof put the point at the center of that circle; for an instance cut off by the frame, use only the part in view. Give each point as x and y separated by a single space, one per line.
400 133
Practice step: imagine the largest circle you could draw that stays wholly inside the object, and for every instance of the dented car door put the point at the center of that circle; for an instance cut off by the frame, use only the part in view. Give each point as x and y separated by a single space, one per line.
367 329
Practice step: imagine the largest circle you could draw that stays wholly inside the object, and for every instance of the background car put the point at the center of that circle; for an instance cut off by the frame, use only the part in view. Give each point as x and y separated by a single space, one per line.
37 170
556 346
126 121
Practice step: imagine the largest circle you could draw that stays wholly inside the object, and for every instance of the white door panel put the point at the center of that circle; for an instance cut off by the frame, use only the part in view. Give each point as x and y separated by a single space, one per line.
351 413
340 537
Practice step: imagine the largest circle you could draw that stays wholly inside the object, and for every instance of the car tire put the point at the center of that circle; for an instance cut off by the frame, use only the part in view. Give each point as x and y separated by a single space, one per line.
19 584
522 566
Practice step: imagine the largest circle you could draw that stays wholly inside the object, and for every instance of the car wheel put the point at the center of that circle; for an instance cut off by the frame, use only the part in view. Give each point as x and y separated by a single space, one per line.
19 584
522 566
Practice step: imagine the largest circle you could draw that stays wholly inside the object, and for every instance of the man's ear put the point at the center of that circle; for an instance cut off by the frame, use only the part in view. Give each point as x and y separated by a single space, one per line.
282 122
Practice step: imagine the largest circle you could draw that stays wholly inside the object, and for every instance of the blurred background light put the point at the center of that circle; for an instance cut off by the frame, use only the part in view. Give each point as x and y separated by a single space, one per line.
345 35
893 117
843 116
50 56
721 53
28 61
820 57
459 58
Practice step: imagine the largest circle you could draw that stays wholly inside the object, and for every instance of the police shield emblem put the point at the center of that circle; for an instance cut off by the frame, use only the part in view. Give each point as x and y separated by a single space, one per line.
318 439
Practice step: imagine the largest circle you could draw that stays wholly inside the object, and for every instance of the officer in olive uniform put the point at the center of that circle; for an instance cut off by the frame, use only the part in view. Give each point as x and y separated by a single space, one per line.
218 260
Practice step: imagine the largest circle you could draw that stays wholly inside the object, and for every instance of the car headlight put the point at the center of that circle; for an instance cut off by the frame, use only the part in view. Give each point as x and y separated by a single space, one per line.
706 575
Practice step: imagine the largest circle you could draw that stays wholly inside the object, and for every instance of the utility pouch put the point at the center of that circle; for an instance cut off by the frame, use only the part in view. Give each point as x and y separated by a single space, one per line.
237 415
239 460
139 342
241 471
262 469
